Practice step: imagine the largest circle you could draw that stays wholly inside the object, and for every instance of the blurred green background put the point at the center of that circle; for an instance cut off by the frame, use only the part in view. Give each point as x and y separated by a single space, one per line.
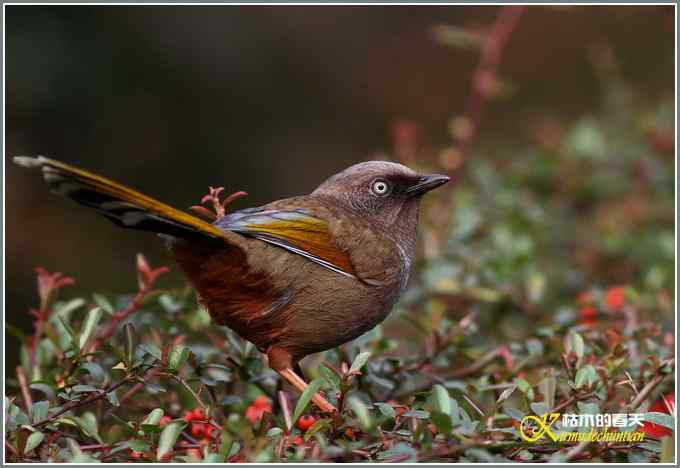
272 100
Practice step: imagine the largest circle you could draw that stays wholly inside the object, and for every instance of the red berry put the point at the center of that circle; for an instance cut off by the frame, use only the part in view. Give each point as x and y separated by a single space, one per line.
587 316
262 402
615 298
305 422
196 430
260 406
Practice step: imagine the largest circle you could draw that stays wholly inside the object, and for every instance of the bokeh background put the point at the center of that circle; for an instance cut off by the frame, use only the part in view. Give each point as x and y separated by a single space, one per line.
272 100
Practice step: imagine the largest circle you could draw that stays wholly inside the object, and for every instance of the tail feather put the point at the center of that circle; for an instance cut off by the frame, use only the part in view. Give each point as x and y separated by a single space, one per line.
122 205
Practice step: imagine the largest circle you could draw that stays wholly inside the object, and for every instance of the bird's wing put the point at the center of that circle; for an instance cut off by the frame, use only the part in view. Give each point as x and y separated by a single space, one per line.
297 231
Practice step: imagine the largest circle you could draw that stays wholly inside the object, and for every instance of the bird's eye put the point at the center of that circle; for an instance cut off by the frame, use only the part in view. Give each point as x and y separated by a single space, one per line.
380 187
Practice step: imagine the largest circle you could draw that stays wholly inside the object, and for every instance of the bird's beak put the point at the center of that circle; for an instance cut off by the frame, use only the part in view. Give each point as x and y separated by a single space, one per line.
427 183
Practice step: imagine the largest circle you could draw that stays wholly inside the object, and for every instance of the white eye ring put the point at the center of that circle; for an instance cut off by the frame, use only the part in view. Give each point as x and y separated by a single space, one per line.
380 187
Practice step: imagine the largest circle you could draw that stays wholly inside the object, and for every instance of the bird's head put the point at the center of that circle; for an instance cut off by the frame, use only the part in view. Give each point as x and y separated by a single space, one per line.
384 191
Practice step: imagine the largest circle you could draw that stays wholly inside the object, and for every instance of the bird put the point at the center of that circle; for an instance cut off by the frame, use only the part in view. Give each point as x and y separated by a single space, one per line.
294 277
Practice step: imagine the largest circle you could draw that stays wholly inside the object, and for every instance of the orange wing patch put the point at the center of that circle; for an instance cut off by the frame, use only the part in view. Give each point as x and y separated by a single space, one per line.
295 231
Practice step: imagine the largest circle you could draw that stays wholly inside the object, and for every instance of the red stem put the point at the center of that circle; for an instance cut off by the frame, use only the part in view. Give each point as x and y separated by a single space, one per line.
493 45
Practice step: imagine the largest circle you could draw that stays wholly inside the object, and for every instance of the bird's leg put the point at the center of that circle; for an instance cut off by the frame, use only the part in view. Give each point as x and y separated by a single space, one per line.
282 362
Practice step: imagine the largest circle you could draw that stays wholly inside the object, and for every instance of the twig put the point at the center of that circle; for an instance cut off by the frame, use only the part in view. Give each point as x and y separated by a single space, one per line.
146 277
444 342
651 385
118 317
151 373
493 45
575 451
9 447
25 392
455 374
186 385
182 382
101 394
285 408
35 339
572 399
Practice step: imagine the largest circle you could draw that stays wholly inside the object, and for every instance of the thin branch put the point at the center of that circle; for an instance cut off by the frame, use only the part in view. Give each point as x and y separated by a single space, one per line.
94 396
187 386
118 317
575 451
9 447
572 399
285 408
154 371
651 385
493 46
456 373
25 392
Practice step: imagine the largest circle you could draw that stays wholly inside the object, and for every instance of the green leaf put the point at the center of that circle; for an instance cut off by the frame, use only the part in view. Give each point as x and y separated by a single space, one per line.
274 432
154 388
359 361
91 322
71 334
514 413
547 387
45 388
525 387
318 426
138 445
306 397
168 437
177 357
361 412
442 421
577 344
418 414
331 378
130 344
539 408
587 408
662 419
386 410
534 347
152 349
39 411
33 441
441 399
103 303
95 370
586 375
154 417
88 423
112 397
505 394
402 452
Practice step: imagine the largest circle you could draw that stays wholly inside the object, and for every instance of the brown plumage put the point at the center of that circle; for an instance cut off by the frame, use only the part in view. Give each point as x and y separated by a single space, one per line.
294 277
